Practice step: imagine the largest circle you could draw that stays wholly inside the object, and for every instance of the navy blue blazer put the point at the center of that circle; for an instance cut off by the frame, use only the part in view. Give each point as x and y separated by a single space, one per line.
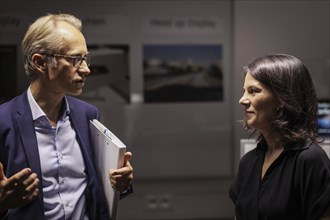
18 150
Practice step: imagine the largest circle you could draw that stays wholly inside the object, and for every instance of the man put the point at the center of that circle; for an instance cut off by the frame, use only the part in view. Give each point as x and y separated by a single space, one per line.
47 169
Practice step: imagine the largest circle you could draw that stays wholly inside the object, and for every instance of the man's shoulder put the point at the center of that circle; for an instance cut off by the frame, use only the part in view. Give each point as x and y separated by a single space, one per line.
80 107
78 103
13 104
10 110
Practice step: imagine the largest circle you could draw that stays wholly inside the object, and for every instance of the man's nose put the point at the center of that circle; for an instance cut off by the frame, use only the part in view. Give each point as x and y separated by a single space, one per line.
84 69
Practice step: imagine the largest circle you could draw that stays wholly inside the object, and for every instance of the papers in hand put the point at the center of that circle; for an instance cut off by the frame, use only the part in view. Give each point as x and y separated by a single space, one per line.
108 154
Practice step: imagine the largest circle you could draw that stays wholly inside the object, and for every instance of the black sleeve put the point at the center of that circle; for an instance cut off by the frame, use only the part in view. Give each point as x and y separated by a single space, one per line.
235 187
312 181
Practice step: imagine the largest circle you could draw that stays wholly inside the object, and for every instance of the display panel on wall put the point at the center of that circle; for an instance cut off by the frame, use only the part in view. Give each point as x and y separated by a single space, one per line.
323 118
7 72
182 73
109 78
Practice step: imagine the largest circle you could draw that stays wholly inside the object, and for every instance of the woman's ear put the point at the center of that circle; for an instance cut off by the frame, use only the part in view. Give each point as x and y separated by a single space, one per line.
40 62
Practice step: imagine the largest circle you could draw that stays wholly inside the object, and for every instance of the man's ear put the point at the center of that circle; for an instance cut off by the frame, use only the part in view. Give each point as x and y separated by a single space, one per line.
39 61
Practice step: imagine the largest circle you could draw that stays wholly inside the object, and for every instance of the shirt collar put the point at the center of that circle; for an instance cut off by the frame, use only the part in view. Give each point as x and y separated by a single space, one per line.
37 112
298 146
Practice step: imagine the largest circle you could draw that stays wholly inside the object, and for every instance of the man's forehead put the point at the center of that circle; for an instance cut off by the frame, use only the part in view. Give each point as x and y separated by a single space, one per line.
65 28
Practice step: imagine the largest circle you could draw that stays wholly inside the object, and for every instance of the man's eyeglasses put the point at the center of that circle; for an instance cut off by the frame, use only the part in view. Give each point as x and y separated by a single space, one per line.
77 60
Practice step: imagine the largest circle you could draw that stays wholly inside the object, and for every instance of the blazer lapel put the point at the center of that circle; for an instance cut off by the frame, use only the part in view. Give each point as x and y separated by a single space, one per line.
81 127
27 134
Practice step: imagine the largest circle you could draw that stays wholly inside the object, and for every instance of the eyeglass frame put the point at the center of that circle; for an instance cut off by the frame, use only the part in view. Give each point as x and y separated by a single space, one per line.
86 58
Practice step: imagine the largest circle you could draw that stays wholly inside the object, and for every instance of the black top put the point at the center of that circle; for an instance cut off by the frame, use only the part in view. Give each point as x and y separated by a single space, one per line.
295 186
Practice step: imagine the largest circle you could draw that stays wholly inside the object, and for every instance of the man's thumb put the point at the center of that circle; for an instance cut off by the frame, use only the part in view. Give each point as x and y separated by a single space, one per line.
2 174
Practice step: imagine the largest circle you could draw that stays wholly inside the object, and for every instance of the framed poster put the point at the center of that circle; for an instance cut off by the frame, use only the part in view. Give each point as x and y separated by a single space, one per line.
182 73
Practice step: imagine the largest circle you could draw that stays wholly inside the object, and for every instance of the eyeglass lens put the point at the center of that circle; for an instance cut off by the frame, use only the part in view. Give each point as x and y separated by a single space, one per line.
79 60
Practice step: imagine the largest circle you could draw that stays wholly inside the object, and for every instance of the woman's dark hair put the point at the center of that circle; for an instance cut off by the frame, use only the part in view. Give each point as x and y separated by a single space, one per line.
290 82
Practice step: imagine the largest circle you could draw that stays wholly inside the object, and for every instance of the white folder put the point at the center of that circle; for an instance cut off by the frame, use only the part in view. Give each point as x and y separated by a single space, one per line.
108 154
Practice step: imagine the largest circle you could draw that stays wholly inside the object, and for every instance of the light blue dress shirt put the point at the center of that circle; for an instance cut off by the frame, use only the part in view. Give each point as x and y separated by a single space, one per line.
62 165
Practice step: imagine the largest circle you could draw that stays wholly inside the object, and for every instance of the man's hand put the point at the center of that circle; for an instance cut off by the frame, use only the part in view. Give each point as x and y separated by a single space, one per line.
20 189
121 178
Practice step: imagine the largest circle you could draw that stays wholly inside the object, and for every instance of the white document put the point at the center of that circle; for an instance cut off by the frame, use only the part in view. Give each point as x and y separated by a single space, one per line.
108 154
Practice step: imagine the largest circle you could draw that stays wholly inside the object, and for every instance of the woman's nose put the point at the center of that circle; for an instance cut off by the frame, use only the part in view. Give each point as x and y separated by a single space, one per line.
243 101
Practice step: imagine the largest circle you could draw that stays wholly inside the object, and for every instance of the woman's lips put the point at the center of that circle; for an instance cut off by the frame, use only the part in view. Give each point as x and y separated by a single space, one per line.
248 113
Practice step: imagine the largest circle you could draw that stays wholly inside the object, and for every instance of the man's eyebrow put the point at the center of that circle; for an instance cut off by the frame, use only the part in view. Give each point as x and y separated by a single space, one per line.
78 53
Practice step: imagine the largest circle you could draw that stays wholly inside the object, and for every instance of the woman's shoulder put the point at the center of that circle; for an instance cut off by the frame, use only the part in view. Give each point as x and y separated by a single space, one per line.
250 158
313 155
312 151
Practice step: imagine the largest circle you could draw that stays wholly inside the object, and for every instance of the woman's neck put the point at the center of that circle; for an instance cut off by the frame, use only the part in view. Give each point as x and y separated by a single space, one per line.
274 143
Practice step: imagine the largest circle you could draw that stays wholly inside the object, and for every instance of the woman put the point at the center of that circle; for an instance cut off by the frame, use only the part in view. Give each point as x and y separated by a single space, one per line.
287 176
